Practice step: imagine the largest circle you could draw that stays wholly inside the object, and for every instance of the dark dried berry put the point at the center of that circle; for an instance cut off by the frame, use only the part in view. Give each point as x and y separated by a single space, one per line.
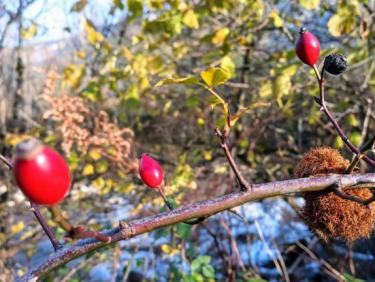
335 64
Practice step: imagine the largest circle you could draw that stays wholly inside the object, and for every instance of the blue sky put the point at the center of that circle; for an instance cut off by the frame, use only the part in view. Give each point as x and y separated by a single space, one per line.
52 16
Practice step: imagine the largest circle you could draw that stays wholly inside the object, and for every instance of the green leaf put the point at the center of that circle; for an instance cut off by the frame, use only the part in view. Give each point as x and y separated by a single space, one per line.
135 8
199 262
183 230
118 4
181 80
214 76
79 6
355 138
309 4
208 271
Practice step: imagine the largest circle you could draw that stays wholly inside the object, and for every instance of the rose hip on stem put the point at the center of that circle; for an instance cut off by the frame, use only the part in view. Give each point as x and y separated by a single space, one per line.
307 47
150 171
41 173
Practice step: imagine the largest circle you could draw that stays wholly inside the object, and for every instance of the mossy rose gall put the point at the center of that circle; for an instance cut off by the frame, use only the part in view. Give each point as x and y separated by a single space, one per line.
307 47
150 171
41 173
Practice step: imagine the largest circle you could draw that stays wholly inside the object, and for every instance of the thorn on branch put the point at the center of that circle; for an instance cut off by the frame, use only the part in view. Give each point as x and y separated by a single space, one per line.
79 232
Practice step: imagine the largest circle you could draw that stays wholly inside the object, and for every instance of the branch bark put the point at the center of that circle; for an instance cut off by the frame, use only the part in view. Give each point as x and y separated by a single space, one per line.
200 209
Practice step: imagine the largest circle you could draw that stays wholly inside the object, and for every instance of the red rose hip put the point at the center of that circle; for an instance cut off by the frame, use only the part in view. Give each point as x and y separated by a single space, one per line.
41 173
307 47
150 171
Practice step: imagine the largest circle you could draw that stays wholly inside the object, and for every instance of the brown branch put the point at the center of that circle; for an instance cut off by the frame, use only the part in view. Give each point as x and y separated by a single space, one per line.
339 192
242 181
341 133
200 209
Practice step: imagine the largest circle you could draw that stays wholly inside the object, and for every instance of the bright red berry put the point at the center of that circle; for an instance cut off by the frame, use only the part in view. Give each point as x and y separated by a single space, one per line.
150 171
308 47
41 173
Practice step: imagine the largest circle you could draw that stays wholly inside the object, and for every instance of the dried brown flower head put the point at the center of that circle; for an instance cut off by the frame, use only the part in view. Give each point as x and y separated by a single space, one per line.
324 212
87 129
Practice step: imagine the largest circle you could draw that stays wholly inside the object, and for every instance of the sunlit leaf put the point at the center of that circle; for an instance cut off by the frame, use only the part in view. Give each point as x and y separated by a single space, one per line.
190 19
214 76
169 250
16 228
73 75
355 138
220 36
181 80
101 166
29 33
309 4
88 169
93 36
343 22
234 118
277 20
228 65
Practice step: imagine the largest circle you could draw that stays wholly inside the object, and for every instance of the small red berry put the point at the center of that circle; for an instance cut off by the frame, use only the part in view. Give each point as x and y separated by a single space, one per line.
150 171
308 47
41 173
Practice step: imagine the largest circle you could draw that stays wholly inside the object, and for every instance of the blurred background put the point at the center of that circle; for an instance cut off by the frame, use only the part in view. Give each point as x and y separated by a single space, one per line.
80 75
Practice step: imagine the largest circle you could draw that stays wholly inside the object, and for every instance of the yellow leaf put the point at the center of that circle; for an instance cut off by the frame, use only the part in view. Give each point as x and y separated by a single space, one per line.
228 65
309 4
343 22
93 36
88 170
245 110
127 53
73 75
277 20
207 155
101 166
14 229
169 250
29 32
220 36
214 76
14 139
190 19
95 154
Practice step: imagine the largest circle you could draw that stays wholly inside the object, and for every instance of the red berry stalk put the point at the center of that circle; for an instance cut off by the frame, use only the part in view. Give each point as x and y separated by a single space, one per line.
152 175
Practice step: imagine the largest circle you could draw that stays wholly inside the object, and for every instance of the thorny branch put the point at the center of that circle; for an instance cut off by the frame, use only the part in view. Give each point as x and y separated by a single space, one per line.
242 181
201 209
321 102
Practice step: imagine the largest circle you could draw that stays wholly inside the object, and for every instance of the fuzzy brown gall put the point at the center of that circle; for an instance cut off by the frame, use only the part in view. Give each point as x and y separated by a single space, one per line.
328 215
